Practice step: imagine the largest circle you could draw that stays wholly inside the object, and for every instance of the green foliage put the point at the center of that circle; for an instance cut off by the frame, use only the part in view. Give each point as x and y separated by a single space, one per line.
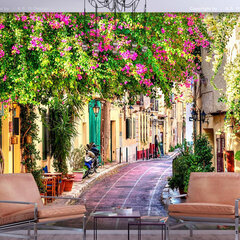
41 55
76 158
187 162
180 167
171 149
220 28
30 154
203 153
237 156
62 126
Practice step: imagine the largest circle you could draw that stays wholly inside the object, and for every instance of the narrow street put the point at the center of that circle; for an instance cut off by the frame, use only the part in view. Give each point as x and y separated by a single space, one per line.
138 185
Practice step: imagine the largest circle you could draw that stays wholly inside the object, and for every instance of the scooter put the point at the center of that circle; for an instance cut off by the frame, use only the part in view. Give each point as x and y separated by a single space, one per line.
91 162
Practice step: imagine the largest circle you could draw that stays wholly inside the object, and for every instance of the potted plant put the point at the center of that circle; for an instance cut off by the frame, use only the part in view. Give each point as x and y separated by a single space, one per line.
68 184
180 169
76 161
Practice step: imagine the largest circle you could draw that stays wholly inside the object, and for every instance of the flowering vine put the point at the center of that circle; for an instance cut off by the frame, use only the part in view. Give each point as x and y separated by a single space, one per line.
41 54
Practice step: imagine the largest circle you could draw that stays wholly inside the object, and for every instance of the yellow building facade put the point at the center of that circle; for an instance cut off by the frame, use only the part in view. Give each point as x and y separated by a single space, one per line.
10 140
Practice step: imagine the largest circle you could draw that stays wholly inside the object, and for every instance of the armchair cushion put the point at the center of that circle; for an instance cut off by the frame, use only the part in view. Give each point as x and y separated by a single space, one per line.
23 215
202 208
60 211
18 187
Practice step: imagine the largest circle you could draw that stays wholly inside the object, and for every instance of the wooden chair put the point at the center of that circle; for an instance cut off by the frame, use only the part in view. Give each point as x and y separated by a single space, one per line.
50 186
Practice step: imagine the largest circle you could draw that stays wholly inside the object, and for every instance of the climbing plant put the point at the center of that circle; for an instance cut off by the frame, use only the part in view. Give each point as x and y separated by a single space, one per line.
29 139
41 55
220 28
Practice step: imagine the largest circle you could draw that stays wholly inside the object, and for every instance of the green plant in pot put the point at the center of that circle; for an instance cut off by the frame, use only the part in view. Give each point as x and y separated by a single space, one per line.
76 161
63 129
180 169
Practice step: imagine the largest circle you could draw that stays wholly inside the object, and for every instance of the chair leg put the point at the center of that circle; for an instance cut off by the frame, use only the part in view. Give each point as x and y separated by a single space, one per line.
236 228
84 227
35 231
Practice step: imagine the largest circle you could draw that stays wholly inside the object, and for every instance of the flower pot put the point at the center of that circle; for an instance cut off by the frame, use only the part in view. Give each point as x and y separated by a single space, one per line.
68 185
78 175
62 186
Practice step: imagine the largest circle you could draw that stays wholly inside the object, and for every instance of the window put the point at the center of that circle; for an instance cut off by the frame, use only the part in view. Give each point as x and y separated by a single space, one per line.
134 128
128 128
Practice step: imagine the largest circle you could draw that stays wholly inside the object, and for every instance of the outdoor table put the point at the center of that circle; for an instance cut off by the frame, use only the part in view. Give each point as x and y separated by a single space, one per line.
151 221
58 180
109 214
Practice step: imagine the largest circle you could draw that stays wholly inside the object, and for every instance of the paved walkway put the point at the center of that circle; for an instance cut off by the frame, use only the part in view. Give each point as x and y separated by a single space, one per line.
138 185
146 235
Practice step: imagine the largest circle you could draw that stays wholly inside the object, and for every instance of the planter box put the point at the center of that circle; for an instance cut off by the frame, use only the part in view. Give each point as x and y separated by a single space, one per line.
78 175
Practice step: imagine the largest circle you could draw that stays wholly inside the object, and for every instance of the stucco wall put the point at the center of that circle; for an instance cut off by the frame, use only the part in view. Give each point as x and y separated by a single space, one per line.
209 95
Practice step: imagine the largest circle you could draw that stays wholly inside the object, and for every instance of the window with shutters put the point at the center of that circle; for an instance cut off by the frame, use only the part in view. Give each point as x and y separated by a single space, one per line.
128 128
134 128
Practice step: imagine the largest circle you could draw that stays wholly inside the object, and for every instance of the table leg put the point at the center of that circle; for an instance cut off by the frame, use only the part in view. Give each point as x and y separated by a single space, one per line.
94 228
162 232
128 231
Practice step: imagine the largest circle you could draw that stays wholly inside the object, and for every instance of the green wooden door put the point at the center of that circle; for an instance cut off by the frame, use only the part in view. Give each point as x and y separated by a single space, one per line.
95 125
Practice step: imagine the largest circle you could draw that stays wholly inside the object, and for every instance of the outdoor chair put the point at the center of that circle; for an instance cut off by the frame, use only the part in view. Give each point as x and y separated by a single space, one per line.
21 206
212 198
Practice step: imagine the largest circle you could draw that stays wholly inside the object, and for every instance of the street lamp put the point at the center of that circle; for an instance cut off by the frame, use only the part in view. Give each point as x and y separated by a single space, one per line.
198 115
203 116
194 115
96 109
131 109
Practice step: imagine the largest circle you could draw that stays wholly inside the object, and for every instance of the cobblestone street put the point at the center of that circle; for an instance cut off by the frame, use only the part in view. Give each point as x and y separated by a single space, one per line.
138 185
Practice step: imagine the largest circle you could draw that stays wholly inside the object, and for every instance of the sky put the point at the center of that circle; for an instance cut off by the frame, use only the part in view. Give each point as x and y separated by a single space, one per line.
152 6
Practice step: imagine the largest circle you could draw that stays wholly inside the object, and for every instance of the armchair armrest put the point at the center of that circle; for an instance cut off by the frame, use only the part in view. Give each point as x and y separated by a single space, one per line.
26 203
237 208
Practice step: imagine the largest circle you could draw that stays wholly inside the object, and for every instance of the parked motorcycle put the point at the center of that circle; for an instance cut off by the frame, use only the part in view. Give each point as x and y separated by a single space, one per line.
91 162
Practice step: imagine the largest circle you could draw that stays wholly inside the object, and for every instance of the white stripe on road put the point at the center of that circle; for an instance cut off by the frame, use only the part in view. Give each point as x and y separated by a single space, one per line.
136 185
155 189
114 186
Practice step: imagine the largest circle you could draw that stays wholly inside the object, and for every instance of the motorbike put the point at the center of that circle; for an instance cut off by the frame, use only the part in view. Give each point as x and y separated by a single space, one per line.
91 162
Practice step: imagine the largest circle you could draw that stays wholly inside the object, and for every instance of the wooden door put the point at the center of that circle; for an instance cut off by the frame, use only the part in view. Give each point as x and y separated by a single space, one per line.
220 149
230 161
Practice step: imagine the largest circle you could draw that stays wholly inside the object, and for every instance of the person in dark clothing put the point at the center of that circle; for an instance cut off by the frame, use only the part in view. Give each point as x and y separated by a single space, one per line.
156 146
